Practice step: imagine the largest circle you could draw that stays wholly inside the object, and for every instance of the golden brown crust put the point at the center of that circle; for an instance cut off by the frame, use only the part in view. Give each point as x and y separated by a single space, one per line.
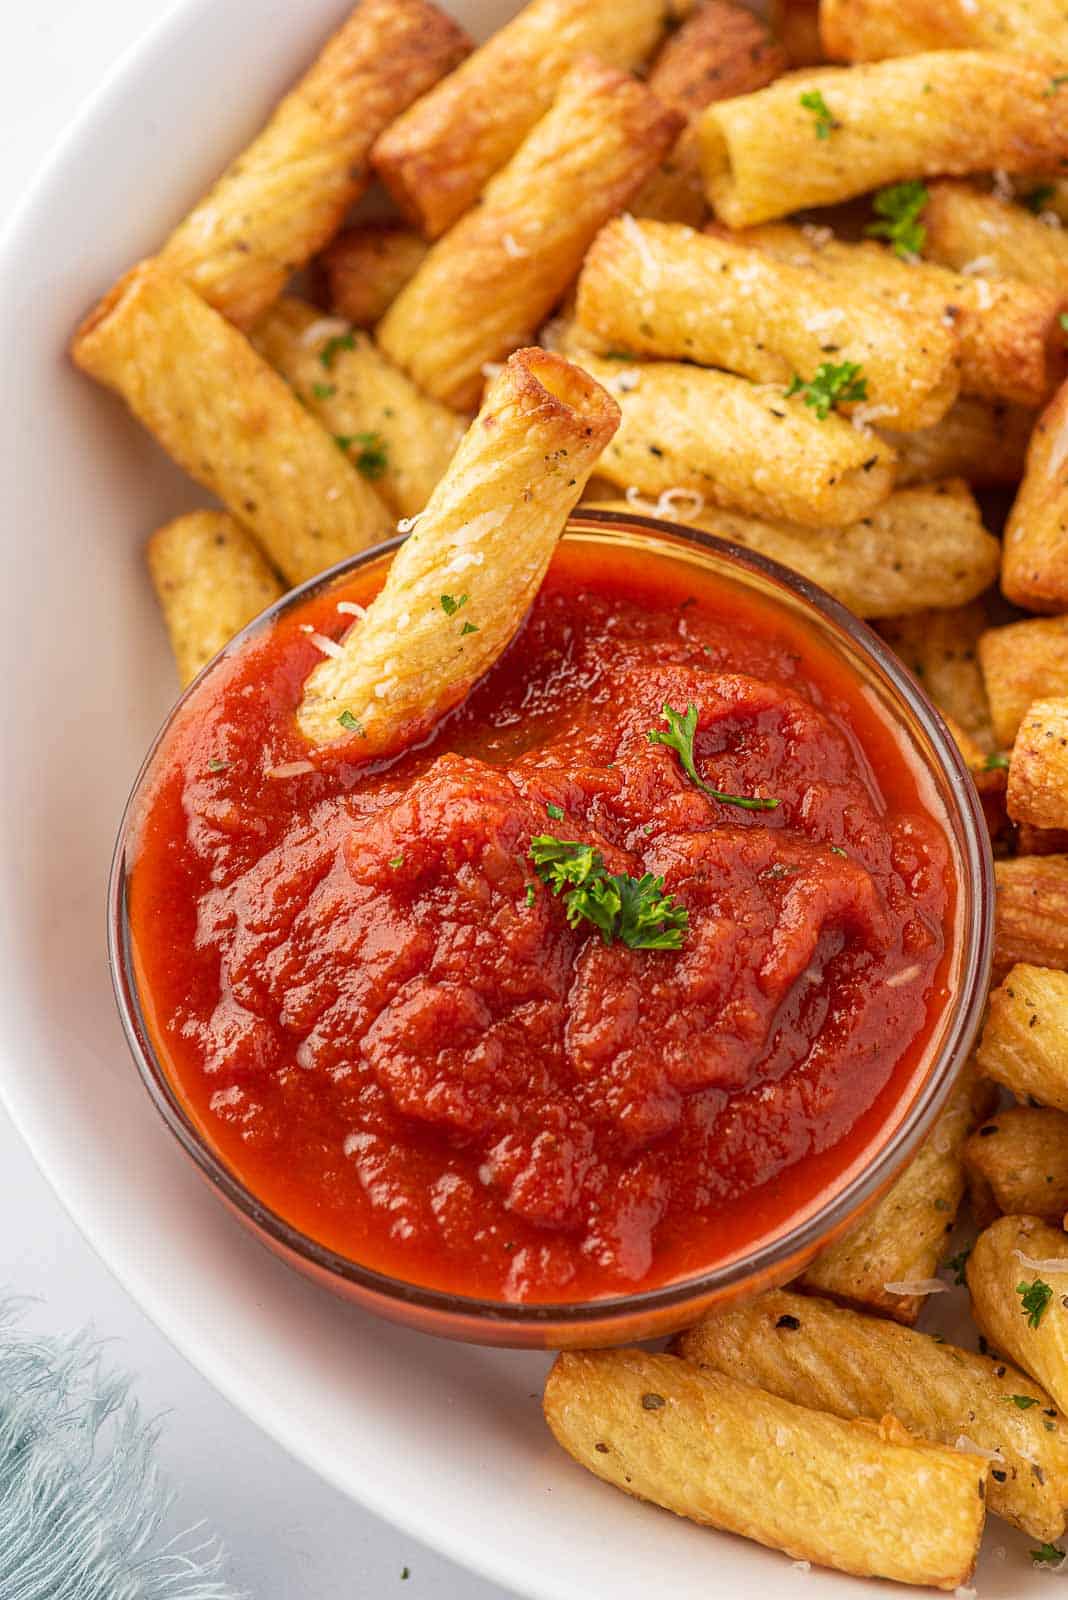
661 289
1025 1042
1031 917
196 383
902 1238
688 427
1034 572
918 548
860 1497
401 438
1018 1161
210 578
965 227
940 648
998 1270
367 266
870 30
436 159
484 541
486 287
948 112
1022 662
287 194
984 441
1011 341
821 1355
796 24
1038 770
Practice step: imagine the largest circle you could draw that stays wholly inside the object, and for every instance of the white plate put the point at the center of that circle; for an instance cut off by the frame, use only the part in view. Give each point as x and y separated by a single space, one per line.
445 1440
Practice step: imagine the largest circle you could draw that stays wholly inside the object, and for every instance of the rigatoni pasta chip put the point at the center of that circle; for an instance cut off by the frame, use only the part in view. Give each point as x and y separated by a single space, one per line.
459 587
287 194
437 158
1025 1042
1031 913
486 287
1038 771
827 135
869 30
663 290
1018 1280
1022 662
1017 1164
215 405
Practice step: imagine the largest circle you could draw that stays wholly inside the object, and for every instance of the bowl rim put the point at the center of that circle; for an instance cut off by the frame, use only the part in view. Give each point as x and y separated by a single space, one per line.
973 844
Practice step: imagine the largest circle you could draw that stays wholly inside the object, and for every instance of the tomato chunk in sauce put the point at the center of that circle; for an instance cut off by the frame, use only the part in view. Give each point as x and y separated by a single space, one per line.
379 1016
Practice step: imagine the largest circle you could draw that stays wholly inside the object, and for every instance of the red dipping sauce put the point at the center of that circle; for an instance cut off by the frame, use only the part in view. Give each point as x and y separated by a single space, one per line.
378 1016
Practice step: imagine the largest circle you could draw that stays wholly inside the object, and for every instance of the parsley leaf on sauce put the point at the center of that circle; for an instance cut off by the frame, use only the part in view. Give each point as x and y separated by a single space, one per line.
898 209
680 737
636 911
831 386
998 762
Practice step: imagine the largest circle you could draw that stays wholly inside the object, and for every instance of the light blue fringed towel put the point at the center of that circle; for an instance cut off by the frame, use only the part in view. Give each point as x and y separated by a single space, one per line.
81 1500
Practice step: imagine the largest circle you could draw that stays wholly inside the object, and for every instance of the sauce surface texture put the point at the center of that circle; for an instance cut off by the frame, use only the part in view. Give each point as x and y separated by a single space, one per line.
380 1018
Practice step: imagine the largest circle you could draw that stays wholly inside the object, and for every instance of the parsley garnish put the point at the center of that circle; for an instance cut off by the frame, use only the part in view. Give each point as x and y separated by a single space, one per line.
554 812
1023 1402
347 720
324 391
405 1574
1055 83
996 763
813 101
898 209
450 605
340 341
634 910
1063 320
956 1264
680 737
468 627
830 387
372 459
1047 1553
1034 1297
532 894
1038 198
216 765
836 850
396 861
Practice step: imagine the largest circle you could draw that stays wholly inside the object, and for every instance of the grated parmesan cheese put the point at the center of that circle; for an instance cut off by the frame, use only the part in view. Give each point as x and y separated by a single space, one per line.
383 688
1051 1264
816 234
1002 184
638 240
1050 218
906 975
324 328
819 320
406 524
349 608
917 1286
512 247
327 646
970 1448
290 769
978 265
863 416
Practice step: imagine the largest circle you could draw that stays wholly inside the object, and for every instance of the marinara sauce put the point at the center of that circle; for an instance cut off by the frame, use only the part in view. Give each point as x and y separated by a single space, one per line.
379 1017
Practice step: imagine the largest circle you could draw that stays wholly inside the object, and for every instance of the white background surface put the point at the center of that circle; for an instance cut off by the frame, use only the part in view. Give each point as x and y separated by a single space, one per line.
289 1536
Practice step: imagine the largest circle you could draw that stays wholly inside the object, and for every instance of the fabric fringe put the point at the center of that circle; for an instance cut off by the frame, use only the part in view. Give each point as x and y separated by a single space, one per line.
81 1499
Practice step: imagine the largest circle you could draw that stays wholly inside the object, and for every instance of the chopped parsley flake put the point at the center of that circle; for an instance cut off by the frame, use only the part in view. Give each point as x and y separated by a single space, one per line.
898 209
836 850
532 894
1034 1300
347 720
405 1574
372 458
636 911
340 341
680 737
1038 199
324 391
396 861
450 605
554 812
1022 1402
956 1264
1047 1554
813 101
468 627
832 386
1063 320
998 762
217 765
1058 80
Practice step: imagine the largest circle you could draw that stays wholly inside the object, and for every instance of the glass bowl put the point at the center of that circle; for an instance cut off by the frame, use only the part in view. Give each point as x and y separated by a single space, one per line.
772 1261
